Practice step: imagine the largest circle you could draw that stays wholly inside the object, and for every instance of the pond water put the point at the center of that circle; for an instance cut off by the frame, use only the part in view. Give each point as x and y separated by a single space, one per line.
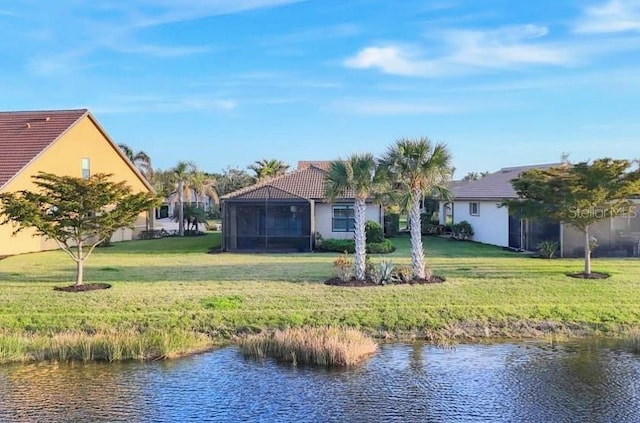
525 382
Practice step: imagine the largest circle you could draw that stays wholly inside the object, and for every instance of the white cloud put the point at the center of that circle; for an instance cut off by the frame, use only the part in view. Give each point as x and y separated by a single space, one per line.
160 51
505 47
468 50
158 12
392 59
612 16
164 104
391 107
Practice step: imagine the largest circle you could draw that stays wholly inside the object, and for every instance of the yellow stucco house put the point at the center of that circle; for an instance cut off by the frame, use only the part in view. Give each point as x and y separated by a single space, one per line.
63 142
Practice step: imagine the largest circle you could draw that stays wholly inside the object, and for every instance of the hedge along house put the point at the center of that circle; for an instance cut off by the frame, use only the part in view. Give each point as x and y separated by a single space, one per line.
478 202
63 142
286 212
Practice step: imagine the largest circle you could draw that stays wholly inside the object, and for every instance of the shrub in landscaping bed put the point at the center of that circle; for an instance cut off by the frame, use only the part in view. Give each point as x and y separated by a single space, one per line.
337 245
462 231
349 246
374 232
316 346
384 247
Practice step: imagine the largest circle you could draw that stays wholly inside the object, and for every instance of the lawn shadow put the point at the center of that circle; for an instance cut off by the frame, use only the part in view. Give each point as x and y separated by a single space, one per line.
304 271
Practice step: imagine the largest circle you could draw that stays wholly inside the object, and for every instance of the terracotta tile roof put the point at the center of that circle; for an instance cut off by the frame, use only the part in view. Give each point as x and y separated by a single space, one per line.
24 135
266 192
495 186
306 182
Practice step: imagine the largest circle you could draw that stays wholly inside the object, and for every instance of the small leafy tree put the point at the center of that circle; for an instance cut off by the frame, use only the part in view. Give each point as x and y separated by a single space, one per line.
79 214
231 179
579 195
193 216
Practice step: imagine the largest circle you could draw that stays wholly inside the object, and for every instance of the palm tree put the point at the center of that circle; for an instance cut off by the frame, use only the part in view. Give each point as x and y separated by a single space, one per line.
181 173
475 176
140 159
268 168
202 184
417 168
355 177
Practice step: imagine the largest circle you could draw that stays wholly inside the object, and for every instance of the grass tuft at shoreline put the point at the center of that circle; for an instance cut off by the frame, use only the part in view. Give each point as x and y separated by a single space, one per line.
329 347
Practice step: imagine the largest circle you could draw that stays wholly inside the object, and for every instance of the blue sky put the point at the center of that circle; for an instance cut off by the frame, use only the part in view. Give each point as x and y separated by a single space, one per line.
228 82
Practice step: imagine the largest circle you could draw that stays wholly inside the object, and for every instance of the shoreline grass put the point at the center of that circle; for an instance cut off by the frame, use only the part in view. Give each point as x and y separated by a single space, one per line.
103 346
172 286
328 346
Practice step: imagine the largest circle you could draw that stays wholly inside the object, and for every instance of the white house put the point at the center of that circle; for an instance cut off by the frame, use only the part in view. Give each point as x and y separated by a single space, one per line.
479 203
286 212
171 204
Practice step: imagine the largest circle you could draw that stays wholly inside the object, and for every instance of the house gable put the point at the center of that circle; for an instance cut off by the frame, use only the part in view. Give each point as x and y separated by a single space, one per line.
83 142
24 136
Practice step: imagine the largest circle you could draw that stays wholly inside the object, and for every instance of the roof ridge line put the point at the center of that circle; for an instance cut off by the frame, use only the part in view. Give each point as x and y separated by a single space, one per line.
44 111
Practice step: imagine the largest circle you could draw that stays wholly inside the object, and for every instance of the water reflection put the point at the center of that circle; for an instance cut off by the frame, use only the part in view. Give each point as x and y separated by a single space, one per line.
528 382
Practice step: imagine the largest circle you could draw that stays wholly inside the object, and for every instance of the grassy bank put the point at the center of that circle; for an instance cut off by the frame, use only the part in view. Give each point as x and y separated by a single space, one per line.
172 286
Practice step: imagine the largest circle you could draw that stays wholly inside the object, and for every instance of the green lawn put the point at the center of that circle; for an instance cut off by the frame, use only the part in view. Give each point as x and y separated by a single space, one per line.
172 284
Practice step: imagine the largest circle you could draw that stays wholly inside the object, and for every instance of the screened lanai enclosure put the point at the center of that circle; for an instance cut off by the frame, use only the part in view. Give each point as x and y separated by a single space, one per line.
264 221
617 236
525 234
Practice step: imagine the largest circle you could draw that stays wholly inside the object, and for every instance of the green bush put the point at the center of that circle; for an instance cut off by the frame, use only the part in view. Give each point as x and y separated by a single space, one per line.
337 245
547 248
384 247
462 230
374 232
349 246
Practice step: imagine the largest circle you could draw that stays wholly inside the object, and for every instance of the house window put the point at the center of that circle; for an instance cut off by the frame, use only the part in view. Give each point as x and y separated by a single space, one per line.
86 168
343 219
474 209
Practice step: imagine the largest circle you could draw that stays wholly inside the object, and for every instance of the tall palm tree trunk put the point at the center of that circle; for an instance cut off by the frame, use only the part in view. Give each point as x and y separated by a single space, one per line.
360 238
181 208
417 253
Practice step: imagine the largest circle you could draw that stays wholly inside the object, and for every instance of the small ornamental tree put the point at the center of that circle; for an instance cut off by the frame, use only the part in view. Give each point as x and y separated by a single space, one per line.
579 195
79 214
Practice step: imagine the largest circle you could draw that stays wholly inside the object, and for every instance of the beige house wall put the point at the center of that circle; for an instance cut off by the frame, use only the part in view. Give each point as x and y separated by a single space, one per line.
83 140
323 216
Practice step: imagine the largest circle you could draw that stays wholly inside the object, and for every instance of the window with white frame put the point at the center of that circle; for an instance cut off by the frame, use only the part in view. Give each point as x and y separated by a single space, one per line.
86 168
343 219
474 209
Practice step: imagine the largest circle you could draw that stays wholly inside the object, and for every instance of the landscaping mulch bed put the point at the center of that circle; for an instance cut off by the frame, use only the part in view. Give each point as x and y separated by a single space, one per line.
83 287
362 284
592 275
